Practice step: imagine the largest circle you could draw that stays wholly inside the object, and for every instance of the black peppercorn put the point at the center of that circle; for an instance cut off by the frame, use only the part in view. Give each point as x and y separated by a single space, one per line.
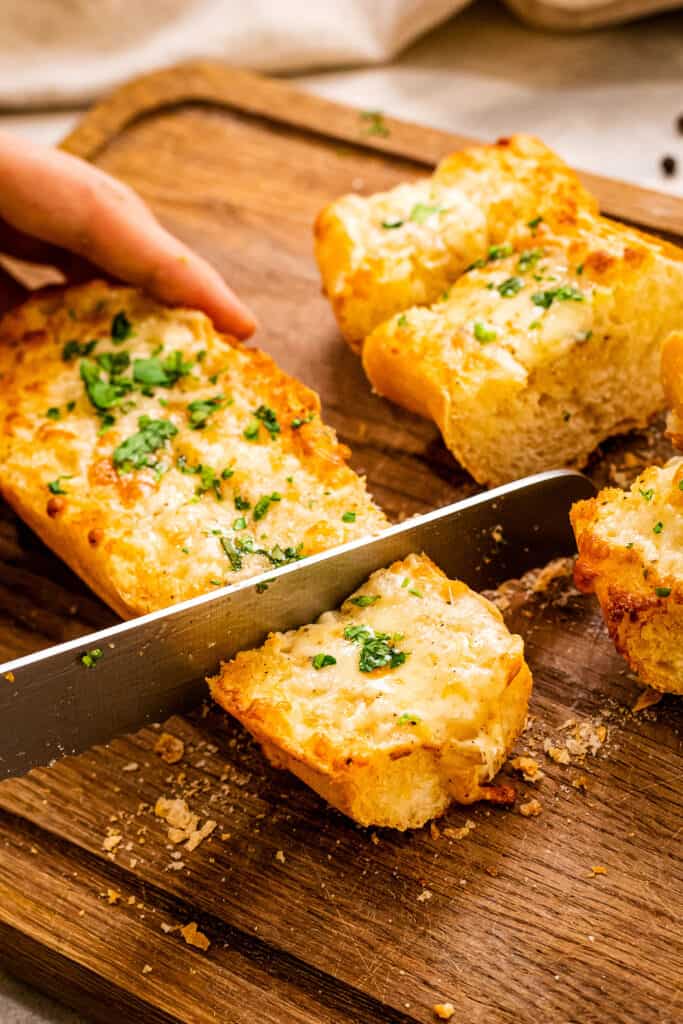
668 165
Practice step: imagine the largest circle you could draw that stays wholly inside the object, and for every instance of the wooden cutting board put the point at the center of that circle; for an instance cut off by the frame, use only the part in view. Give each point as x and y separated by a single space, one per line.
311 919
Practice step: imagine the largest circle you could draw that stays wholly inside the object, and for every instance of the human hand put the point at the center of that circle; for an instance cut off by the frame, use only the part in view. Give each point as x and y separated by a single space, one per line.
51 202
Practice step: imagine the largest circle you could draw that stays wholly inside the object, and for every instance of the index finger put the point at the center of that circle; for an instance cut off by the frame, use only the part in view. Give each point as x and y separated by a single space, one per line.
65 201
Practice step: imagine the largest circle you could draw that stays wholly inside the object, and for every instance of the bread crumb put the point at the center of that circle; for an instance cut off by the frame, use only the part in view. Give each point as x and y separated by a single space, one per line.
444 1011
434 830
492 871
193 937
169 748
647 699
280 857
374 839
113 897
530 768
597 869
110 843
460 833
132 766
424 896
200 835
147 969
531 809
580 782
560 755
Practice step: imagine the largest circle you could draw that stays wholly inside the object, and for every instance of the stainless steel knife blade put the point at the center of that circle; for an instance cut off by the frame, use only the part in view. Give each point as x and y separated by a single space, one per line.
52 705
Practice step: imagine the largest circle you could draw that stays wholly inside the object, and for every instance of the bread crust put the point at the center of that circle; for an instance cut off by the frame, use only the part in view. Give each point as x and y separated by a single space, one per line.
146 538
395 746
516 387
631 556
383 254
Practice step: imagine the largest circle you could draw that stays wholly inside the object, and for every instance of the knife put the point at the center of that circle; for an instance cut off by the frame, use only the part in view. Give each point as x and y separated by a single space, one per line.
52 704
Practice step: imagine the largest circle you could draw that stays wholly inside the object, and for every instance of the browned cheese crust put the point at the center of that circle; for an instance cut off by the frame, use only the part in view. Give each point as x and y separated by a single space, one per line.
232 473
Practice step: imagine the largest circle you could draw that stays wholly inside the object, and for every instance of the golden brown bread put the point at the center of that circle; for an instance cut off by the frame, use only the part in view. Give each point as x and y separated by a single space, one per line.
631 556
408 697
540 351
382 254
158 457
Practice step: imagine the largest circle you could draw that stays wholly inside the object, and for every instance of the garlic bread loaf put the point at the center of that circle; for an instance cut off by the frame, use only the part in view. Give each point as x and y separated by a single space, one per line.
382 254
631 556
158 457
406 698
546 346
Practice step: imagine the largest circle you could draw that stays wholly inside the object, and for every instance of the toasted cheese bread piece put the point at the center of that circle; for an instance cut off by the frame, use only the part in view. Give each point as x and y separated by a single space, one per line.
158 457
535 357
631 556
672 379
408 697
384 253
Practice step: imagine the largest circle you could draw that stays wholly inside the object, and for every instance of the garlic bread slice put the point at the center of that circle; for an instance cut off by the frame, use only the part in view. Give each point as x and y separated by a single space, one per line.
408 697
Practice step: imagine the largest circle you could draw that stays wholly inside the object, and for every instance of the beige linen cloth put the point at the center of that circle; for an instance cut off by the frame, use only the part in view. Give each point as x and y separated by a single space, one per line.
66 52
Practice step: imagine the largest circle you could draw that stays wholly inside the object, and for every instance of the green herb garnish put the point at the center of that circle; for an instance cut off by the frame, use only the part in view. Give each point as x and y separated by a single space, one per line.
484 334
528 259
565 293
662 591
377 650
388 225
402 320
510 287
658 527
349 517
53 413
55 486
73 349
264 503
137 451
90 658
407 719
202 408
421 212
375 123
648 495
299 421
121 328
499 252
365 600
323 660
533 224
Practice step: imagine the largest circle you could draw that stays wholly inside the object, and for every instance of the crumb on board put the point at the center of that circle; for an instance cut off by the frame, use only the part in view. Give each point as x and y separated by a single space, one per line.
444 1011
434 830
193 937
560 755
280 856
111 841
424 896
112 896
147 969
132 766
580 782
597 869
531 809
529 768
169 748
647 699
460 833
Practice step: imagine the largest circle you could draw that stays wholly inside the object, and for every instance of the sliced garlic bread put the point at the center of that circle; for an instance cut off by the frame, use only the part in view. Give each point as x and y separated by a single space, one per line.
408 697
631 556
382 254
158 457
541 350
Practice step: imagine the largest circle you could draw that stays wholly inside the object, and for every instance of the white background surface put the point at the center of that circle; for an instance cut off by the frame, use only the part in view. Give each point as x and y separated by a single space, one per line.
606 100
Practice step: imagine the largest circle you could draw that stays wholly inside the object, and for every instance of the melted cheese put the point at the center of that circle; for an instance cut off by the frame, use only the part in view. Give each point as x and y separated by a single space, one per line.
147 537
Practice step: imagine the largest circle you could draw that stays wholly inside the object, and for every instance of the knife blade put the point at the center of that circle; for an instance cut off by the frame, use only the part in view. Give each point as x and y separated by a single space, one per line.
52 705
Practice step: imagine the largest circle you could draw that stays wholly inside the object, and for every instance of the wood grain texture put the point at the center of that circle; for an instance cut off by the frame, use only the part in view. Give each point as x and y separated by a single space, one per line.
310 918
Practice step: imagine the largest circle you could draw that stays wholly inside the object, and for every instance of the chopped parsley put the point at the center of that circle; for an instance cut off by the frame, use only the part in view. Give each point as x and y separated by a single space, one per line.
264 503
533 224
73 349
388 225
137 451
534 325
121 328
680 485
323 660
648 495
349 517
55 486
422 212
377 650
414 592
202 408
510 287
209 481
584 335
299 421
240 523
365 600
154 372
407 719
499 252
90 658
103 394
237 547
53 413
402 320
658 527
662 591
565 293
241 504
484 334
374 123
268 419
528 259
